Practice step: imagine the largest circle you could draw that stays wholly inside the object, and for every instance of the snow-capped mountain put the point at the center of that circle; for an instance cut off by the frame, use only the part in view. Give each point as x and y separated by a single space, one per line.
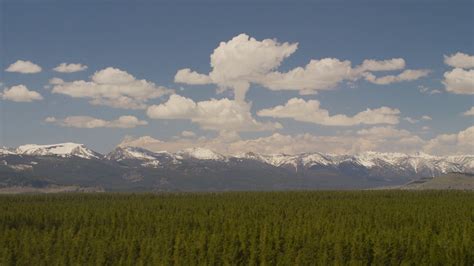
6 151
145 157
201 154
132 168
123 153
416 163
68 149
398 162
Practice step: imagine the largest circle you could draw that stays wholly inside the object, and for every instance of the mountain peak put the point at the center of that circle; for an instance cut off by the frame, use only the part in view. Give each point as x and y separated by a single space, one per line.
67 149
201 154
6 151
128 152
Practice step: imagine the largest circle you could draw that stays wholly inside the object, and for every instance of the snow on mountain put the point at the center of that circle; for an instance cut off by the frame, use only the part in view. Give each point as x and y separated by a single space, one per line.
417 163
62 150
312 159
467 161
6 151
201 154
121 153
272 159
148 158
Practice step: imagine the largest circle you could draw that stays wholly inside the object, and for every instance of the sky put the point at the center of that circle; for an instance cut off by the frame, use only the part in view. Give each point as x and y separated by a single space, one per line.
238 76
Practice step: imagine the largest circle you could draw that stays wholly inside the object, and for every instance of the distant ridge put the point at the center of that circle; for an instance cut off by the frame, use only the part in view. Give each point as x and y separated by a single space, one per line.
200 169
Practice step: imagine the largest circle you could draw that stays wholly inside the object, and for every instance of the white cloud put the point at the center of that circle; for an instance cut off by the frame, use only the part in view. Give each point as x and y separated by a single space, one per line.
457 143
459 81
310 111
378 138
406 75
69 68
426 90
191 77
469 112
373 139
188 134
126 121
411 120
459 60
382 65
244 60
25 67
50 119
317 75
113 87
20 93
55 81
219 115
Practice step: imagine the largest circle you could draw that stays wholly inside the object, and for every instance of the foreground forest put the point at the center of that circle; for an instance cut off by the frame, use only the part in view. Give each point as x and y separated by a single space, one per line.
245 228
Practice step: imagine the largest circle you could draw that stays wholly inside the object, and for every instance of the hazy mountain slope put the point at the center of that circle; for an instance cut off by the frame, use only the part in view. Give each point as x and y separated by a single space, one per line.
458 181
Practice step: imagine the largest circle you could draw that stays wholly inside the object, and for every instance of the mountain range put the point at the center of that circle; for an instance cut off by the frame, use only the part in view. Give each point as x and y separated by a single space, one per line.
72 165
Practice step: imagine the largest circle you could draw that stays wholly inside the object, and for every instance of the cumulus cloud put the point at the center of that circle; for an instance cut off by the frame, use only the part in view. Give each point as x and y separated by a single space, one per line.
113 87
457 143
25 67
126 121
218 115
310 111
382 65
373 139
378 138
20 93
406 75
426 117
243 60
317 75
459 81
69 68
459 60
469 112
191 77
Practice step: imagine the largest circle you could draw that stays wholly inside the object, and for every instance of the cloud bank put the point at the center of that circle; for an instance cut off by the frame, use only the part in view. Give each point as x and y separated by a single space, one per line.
379 138
126 121
244 60
217 115
310 111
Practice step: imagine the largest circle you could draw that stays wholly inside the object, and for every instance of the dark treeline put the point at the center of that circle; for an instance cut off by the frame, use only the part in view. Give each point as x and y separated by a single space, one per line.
272 228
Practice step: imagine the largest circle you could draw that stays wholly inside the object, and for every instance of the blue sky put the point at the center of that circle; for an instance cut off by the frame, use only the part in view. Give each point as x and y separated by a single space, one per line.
152 40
